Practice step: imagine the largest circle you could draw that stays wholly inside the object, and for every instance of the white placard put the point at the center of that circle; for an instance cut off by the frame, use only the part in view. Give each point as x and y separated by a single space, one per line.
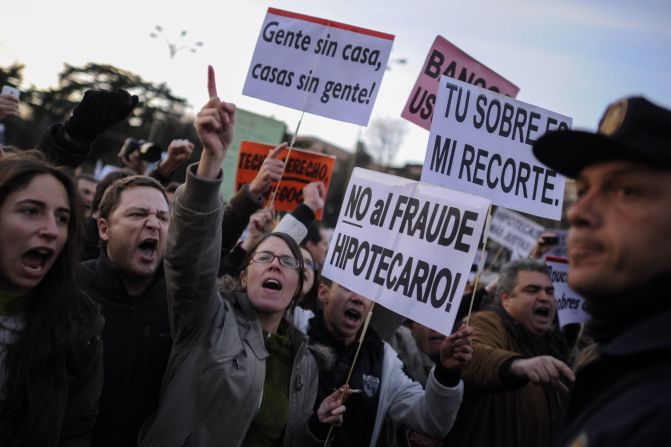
481 142
318 66
570 305
406 245
513 231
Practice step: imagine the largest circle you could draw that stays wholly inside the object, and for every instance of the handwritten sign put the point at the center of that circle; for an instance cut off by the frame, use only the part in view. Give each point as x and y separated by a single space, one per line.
319 66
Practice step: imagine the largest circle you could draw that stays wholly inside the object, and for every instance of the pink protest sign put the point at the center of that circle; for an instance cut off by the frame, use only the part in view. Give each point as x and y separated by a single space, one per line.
446 59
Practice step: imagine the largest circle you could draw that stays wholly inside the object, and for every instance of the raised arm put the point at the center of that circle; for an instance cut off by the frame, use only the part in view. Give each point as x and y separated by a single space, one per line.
69 144
194 236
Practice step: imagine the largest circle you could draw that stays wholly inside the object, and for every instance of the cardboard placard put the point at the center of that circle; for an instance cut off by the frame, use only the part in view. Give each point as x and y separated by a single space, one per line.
318 66
481 142
302 168
570 305
444 58
406 245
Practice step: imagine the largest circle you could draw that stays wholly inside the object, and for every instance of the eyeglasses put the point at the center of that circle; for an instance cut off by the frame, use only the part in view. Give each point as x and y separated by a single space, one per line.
311 265
265 257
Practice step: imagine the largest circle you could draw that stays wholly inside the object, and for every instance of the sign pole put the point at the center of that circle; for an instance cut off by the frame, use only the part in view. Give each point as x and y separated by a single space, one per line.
481 264
271 204
356 355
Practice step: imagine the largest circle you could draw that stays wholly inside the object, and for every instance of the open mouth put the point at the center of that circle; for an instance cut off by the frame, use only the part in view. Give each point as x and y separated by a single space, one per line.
353 315
543 312
35 259
148 246
272 284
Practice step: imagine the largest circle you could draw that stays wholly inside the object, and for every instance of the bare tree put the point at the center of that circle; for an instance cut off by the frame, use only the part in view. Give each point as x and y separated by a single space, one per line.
384 137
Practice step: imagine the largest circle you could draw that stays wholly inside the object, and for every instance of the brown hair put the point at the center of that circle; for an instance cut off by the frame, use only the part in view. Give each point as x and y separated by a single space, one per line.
112 195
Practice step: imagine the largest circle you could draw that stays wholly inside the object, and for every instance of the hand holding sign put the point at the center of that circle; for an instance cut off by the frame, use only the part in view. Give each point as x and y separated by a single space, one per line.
215 124
456 349
314 196
331 410
271 171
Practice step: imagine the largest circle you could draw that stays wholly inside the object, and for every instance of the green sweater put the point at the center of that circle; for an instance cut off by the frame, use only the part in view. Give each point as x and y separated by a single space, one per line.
270 421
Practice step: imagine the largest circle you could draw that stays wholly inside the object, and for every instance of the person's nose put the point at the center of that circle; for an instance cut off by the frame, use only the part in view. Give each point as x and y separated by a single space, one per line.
152 221
49 228
585 211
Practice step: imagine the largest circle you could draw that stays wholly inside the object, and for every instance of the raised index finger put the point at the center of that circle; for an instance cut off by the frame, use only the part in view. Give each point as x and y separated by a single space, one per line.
211 83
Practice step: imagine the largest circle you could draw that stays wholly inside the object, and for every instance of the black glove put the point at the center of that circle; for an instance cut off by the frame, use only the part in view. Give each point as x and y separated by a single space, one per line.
98 111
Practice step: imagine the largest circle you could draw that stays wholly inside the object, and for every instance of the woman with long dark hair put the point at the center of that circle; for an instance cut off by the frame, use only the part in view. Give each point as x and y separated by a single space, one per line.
50 350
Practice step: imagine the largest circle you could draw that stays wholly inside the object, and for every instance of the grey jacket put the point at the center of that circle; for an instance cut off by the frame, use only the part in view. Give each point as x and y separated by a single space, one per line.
213 383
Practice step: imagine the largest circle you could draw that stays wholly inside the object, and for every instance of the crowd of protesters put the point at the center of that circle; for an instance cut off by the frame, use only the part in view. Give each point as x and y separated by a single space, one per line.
139 311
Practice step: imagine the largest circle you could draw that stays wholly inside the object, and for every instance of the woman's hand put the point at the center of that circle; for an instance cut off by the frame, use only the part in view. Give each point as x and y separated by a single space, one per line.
215 124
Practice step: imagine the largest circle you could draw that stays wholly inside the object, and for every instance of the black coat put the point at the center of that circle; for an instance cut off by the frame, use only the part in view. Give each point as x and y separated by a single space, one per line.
624 397
136 342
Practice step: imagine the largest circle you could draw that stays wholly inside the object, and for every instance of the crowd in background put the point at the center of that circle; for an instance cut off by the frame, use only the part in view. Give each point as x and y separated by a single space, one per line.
136 310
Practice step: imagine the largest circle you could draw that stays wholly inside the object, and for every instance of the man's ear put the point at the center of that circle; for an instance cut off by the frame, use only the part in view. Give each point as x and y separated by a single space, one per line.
323 293
103 229
505 300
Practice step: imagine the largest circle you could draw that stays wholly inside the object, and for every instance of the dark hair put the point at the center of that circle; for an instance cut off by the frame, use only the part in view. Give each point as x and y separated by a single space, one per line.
87 177
295 251
314 232
310 300
54 313
112 195
172 186
509 272
105 183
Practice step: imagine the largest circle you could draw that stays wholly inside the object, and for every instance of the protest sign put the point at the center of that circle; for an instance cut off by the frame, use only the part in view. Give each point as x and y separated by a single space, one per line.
406 245
445 58
513 231
480 143
570 305
479 254
318 66
302 168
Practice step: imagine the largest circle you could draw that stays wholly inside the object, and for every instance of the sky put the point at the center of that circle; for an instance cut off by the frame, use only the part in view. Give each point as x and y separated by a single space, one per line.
572 57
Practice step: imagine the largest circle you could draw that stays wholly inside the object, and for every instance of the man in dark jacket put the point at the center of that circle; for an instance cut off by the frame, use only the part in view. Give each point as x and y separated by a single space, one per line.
620 260
383 387
128 280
